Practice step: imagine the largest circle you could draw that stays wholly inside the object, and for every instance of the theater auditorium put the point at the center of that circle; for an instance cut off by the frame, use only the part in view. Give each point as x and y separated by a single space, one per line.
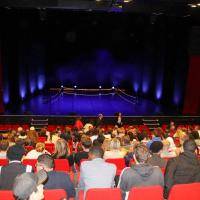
99 100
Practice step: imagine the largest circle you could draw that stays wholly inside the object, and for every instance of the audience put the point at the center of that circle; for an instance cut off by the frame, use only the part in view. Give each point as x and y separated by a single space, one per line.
4 144
14 168
183 169
96 173
56 179
29 186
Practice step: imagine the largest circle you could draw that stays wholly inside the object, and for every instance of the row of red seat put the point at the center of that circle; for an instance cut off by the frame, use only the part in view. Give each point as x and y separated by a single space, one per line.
178 192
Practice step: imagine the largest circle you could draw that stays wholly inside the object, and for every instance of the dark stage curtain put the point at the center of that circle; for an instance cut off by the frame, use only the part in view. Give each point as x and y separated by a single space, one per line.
192 95
1 86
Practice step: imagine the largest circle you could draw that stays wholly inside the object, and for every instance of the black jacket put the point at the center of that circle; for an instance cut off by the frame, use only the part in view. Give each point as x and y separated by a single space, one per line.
181 170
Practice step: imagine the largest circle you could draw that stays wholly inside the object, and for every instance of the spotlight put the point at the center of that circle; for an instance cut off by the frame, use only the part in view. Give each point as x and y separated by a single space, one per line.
100 87
75 86
113 87
61 86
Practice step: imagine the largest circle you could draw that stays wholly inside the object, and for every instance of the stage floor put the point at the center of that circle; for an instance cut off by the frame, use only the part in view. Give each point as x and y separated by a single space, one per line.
88 106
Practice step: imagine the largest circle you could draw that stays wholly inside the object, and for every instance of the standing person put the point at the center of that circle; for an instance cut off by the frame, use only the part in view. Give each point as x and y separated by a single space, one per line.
96 173
78 124
141 173
99 121
56 180
182 169
9 172
119 120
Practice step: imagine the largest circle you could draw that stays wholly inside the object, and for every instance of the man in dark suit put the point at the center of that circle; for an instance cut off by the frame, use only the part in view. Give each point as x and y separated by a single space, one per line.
9 172
56 180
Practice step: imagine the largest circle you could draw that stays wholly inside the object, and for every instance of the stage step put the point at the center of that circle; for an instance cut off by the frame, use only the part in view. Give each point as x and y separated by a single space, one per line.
39 123
151 123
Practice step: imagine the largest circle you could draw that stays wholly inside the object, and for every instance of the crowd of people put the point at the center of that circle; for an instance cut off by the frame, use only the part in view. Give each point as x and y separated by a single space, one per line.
146 154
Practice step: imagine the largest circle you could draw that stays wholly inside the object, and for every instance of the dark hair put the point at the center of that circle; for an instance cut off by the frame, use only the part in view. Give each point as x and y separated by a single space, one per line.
141 153
156 146
97 151
96 143
141 136
15 152
101 139
189 145
195 135
46 160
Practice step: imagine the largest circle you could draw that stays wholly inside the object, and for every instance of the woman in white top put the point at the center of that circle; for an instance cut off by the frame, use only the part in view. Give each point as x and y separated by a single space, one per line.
115 150
39 150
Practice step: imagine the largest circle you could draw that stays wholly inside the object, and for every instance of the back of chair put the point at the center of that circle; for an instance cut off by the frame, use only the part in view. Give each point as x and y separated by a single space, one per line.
62 165
50 147
57 194
31 162
42 139
119 162
149 193
6 195
3 162
185 191
103 193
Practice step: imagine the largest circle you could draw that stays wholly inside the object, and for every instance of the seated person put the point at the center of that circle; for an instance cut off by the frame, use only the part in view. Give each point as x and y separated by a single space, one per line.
182 169
96 173
56 179
155 159
141 173
9 172
115 150
39 150
4 144
29 186
86 143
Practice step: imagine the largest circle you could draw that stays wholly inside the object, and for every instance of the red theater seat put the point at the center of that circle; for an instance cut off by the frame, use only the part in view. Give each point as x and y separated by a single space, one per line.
6 195
57 194
62 165
3 162
31 162
42 139
50 147
103 193
185 192
119 162
146 193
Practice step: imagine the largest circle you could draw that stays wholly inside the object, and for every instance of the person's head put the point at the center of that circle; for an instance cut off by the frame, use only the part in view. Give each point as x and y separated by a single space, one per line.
126 140
106 145
141 153
96 152
101 139
100 116
86 142
4 145
40 147
28 186
46 162
195 135
96 143
141 136
156 147
61 148
15 152
189 145
115 144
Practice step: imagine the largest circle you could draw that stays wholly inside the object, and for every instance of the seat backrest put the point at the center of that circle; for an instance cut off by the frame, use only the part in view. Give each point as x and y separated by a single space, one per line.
3 162
103 193
62 165
31 162
57 194
119 162
148 192
6 195
29 148
42 139
185 191
50 147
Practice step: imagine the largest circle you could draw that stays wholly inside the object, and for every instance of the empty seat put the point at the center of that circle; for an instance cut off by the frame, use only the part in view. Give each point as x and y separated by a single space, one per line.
185 191
103 193
62 165
149 193
119 162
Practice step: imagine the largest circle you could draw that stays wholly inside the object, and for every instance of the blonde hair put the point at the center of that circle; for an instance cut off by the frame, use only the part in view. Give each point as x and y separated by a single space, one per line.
40 147
61 148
